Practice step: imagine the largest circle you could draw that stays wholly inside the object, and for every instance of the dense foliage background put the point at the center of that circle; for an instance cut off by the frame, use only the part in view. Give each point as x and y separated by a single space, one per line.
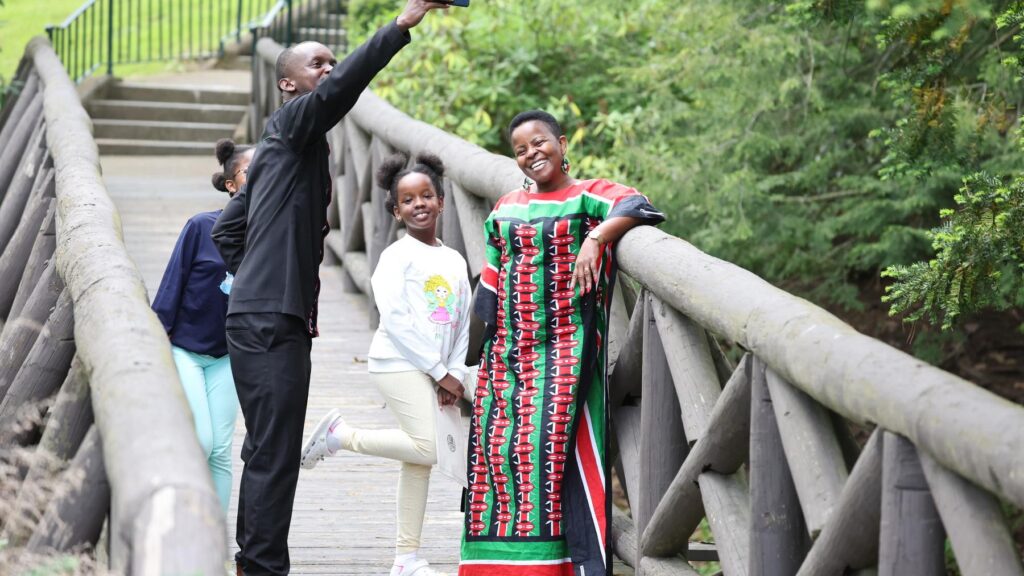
813 142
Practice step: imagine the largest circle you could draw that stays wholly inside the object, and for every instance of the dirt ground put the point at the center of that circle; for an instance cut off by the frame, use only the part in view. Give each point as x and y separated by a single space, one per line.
988 351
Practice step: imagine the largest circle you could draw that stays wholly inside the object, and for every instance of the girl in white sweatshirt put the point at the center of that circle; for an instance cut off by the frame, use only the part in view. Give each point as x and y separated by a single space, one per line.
422 291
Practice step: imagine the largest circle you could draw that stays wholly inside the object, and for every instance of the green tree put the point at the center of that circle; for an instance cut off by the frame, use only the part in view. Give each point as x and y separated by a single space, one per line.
979 257
978 247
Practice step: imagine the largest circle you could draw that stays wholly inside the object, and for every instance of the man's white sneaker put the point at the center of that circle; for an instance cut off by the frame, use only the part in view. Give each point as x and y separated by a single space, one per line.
315 449
418 568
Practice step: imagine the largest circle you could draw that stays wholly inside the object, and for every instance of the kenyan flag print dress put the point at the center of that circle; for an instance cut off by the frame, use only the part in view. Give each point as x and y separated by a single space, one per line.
538 503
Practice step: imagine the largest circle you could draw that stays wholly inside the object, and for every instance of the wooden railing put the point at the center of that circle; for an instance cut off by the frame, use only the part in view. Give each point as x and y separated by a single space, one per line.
69 290
762 450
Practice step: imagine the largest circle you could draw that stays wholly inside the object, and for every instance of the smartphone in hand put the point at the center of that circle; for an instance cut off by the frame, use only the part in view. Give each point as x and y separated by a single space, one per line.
459 3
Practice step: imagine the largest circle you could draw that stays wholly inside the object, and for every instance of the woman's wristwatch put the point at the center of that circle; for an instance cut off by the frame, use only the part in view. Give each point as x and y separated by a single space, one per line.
596 236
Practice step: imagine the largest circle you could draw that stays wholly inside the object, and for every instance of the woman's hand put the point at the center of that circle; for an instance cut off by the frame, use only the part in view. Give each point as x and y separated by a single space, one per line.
588 266
451 385
446 398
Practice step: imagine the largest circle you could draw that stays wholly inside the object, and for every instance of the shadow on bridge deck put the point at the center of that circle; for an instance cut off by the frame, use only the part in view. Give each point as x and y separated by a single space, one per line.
344 521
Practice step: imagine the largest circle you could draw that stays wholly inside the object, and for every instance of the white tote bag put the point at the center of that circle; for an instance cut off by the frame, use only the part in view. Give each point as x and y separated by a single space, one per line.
452 440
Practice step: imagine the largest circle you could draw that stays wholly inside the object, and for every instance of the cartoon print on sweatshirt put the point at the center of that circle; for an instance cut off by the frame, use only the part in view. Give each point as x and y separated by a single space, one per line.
441 299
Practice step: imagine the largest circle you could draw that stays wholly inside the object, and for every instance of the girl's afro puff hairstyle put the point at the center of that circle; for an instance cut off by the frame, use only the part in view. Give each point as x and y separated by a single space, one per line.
228 155
393 169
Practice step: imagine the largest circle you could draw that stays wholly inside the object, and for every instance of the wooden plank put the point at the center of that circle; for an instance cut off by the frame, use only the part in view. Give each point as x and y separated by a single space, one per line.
911 540
722 364
815 458
977 529
75 517
20 333
626 422
41 252
624 371
450 228
624 540
727 503
693 371
12 154
618 328
351 207
69 421
17 108
847 443
366 209
473 212
22 184
665 567
722 449
778 534
17 256
663 444
849 540
41 374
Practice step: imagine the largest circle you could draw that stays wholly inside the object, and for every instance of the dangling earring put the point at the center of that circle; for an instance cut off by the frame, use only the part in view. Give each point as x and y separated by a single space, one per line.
565 165
526 183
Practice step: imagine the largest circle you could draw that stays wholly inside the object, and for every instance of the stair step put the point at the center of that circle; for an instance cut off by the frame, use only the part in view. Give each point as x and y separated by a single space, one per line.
118 146
177 93
158 130
332 33
335 21
166 111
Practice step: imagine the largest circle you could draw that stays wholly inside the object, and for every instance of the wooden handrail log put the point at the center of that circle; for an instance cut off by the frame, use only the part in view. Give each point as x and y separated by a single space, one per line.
478 171
966 428
149 447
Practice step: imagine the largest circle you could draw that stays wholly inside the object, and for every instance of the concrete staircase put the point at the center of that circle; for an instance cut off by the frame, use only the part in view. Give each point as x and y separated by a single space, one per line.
154 119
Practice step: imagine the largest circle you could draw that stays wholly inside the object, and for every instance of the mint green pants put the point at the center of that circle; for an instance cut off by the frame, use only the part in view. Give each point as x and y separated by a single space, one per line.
210 391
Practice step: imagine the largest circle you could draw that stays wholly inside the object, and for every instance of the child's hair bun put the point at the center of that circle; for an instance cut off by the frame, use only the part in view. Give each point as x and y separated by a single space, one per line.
390 168
431 161
225 150
220 181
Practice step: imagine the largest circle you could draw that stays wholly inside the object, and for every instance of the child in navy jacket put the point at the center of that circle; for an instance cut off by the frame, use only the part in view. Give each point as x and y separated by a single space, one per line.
192 304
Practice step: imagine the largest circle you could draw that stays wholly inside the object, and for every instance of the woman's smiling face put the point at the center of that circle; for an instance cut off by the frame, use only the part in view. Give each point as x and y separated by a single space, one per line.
538 152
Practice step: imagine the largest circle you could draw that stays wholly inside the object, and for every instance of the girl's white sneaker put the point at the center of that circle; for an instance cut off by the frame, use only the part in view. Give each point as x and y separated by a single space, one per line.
315 449
415 568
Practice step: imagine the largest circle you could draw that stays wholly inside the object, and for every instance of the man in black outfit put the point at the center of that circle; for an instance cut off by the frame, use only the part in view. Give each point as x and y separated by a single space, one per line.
279 225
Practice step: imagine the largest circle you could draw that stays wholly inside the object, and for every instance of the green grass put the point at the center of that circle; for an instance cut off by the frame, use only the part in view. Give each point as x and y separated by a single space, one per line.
20 20
157 25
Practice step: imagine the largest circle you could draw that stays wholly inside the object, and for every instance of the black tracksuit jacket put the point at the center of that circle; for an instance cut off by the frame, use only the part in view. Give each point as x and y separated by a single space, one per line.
271 235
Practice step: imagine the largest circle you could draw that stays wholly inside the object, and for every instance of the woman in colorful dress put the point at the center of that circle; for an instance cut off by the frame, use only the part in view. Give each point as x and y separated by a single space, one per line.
538 500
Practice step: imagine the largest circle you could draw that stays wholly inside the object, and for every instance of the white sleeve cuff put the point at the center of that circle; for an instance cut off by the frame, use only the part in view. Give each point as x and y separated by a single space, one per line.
438 371
458 374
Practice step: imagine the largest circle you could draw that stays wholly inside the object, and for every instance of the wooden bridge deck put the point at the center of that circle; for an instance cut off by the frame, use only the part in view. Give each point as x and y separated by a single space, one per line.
344 520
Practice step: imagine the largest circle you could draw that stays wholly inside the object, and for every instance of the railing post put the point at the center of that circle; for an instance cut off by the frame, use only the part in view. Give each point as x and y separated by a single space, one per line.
238 28
912 538
110 37
778 533
288 29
